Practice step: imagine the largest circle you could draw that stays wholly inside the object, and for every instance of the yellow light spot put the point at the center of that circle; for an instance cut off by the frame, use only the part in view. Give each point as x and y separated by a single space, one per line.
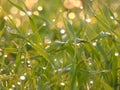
18 22
88 20
77 3
30 3
22 13
82 16
64 14
68 4
14 10
60 24
36 13
71 15
62 84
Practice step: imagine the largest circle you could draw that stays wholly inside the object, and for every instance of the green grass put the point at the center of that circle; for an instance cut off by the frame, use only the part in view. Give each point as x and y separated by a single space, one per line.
82 54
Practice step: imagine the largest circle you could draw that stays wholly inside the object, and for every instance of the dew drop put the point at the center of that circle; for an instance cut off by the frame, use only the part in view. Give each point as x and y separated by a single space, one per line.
0 49
89 63
12 71
78 44
10 89
14 65
62 31
8 28
81 7
36 13
62 84
43 68
71 15
6 18
88 20
94 43
22 77
22 56
13 86
116 54
107 33
91 82
59 70
55 59
28 61
60 10
5 55
19 83
61 61
40 8
53 20
1 70
111 17
22 62
55 71
47 40
25 74
29 13
29 66
44 24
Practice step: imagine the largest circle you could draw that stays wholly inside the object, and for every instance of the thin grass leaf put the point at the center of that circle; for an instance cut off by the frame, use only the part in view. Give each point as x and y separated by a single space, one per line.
37 36
17 6
2 24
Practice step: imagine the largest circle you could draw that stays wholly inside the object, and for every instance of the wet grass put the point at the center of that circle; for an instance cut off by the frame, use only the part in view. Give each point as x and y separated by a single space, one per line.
47 48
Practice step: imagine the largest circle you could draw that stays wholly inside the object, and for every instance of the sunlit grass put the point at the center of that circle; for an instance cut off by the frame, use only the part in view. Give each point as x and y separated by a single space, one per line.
59 45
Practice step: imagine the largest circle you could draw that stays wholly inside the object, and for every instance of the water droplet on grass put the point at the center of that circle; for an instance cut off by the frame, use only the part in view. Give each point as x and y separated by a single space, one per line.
44 24
6 18
88 20
36 13
89 63
29 13
8 28
10 89
71 15
14 65
19 83
94 43
81 7
91 82
62 31
40 8
116 54
43 68
111 17
13 86
28 61
5 55
62 84
22 77
53 20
